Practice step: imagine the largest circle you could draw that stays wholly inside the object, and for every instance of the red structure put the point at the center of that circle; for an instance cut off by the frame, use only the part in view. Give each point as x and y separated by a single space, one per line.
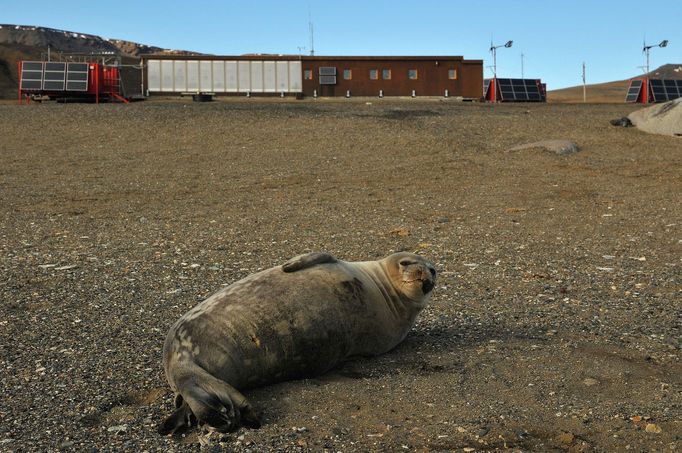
645 90
84 81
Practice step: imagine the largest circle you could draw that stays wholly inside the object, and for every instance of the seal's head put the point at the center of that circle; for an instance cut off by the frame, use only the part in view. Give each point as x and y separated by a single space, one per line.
412 275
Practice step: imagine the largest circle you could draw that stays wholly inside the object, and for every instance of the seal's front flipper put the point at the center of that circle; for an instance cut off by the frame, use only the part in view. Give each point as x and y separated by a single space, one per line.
308 260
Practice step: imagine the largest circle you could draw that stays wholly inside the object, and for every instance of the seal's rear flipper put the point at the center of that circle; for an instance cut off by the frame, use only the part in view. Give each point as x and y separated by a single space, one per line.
179 421
211 401
308 260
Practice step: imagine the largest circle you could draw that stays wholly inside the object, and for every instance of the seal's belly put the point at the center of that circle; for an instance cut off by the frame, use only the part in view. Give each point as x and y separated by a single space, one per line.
259 330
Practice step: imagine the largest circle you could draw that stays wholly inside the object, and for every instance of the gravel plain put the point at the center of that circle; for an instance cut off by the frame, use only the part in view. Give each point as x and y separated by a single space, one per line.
555 325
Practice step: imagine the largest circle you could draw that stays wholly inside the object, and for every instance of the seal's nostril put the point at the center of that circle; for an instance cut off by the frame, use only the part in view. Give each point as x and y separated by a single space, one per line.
427 286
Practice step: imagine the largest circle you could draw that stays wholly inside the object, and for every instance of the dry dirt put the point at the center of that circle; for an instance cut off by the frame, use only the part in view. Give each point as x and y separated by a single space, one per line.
555 325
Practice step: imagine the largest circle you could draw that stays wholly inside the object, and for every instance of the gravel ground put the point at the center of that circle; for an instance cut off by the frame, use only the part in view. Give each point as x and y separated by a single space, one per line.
555 325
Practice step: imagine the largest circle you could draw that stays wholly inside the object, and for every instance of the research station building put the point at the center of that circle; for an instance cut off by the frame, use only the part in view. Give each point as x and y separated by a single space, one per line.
312 76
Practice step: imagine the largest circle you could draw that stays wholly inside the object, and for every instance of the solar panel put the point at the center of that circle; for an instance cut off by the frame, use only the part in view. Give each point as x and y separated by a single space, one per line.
665 89
633 91
77 77
31 75
519 90
54 76
673 89
486 87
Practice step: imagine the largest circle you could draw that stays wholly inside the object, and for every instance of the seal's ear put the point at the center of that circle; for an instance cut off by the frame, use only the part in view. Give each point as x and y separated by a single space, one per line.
307 260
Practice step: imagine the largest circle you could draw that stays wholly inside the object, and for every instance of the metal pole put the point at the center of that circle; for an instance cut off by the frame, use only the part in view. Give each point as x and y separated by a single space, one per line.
494 62
584 88
522 65
19 65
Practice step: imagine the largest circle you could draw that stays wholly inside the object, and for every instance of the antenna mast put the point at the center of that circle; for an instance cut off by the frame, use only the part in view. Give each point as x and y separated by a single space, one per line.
312 36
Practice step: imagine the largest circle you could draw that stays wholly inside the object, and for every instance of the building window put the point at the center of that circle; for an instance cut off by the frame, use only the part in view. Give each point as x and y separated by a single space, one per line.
347 74
452 74
308 74
374 74
412 74
386 74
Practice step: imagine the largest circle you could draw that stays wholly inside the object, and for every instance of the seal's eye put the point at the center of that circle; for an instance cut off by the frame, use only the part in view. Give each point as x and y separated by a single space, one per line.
405 263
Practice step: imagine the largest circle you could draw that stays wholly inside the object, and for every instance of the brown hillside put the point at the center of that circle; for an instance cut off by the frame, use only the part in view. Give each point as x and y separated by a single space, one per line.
24 42
610 92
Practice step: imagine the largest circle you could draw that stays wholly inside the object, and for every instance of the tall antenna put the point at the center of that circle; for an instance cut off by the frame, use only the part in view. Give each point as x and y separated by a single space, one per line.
312 35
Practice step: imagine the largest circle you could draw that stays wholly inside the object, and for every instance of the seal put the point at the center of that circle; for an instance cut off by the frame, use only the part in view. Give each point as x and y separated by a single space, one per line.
291 321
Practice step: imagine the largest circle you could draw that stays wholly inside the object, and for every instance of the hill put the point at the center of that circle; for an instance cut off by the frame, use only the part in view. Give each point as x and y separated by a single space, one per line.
25 42
610 91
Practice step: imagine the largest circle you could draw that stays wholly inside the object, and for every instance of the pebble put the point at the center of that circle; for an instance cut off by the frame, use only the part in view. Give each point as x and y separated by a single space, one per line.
118 429
590 382
653 428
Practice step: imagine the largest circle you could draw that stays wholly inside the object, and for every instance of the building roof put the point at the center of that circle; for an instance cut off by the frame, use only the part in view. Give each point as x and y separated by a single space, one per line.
311 57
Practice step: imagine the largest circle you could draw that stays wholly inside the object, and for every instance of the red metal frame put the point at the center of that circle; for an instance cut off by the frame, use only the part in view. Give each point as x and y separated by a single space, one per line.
644 94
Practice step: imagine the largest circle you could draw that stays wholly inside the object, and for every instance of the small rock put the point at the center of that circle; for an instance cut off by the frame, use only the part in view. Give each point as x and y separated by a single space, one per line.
590 382
560 147
443 220
67 444
117 429
565 438
483 431
623 122
652 428
402 232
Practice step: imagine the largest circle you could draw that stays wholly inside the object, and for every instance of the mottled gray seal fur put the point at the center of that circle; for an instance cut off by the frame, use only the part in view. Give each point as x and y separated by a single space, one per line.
295 320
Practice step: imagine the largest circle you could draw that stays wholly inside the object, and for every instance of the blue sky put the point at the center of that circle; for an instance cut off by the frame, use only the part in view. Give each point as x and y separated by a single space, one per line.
555 37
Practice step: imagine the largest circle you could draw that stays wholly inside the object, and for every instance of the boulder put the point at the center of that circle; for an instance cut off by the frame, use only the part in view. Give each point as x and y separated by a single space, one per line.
664 119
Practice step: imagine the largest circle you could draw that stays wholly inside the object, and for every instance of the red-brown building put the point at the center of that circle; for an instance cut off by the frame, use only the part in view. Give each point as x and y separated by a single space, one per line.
314 75
393 76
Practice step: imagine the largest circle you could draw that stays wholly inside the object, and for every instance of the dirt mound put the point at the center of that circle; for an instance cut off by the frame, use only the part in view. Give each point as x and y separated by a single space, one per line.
664 119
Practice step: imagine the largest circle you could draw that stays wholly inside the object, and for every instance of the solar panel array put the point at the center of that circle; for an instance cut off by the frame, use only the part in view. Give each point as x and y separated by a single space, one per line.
519 90
665 89
54 76
633 91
